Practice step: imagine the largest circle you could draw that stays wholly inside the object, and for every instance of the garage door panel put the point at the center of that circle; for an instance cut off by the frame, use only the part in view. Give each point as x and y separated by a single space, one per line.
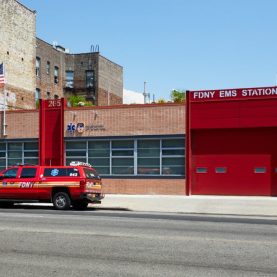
231 174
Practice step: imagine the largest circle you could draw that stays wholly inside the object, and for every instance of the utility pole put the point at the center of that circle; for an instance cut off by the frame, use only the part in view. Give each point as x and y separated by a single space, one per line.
145 94
4 115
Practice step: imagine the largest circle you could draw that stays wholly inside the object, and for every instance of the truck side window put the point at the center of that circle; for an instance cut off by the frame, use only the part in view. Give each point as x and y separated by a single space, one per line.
61 172
11 173
28 172
91 173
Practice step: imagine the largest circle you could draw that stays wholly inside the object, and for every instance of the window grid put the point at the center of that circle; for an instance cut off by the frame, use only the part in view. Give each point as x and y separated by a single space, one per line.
120 165
12 153
129 164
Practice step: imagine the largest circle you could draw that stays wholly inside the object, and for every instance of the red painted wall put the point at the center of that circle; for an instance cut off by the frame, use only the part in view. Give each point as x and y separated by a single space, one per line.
51 132
238 134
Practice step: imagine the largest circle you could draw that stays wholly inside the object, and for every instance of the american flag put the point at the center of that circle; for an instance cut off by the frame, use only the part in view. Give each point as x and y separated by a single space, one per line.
2 75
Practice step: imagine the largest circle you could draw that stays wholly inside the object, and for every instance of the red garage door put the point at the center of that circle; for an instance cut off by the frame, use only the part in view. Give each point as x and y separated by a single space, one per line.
234 162
231 174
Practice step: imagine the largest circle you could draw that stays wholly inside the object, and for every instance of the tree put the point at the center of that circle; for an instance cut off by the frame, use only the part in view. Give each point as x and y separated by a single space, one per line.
178 96
161 100
78 101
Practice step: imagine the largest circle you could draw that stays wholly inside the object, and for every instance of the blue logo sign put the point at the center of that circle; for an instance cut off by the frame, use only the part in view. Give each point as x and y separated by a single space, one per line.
71 128
54 172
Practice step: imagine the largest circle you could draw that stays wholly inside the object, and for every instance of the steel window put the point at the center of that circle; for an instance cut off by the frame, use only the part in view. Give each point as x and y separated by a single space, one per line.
99 156
136 157
122 154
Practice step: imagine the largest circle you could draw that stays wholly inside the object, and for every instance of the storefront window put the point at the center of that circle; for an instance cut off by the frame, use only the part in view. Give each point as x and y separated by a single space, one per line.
2 156
148 157
76 151
30 153
99 156
123 157
138 157
12 153
173 157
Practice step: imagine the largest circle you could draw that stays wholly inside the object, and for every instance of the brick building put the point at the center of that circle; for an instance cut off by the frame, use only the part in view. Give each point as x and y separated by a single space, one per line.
17 53
61 74
136 148
142 154
34 68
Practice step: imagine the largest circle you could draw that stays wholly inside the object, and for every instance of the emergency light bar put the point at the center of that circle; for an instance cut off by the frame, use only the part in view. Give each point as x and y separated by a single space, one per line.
77 163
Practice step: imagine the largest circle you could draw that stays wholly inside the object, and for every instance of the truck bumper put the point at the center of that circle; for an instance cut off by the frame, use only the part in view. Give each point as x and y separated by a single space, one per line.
92 197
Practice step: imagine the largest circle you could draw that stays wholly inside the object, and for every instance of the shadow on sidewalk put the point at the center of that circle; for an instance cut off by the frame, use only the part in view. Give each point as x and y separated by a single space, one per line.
51 208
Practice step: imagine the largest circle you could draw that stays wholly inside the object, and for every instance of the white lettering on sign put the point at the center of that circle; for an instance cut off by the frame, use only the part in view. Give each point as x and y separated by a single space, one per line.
227 93
234 93
203 94
54 103
259 92
28 185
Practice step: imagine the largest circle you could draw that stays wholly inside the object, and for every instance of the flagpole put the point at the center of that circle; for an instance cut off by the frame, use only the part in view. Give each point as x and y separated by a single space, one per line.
4 113
4 120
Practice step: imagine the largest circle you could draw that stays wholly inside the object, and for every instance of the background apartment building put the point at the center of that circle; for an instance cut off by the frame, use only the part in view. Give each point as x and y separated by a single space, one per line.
61 74
17 53
36 69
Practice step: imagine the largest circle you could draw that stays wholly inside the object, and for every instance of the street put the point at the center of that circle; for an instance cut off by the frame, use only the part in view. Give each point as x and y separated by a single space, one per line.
39 241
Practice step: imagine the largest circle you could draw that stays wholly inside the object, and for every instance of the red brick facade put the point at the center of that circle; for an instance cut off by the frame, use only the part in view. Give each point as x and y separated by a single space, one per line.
115 121
145 186
124 120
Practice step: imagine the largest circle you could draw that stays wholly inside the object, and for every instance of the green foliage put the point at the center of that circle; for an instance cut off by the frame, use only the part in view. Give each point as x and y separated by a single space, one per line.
161 100
37 104
78 101
178 96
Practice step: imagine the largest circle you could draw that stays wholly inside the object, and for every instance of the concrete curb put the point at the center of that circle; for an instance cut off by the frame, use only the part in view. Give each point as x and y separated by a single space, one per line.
225 205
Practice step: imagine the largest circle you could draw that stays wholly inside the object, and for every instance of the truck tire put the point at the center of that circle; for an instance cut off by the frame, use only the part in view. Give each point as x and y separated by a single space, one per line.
6 204
80 205
61 201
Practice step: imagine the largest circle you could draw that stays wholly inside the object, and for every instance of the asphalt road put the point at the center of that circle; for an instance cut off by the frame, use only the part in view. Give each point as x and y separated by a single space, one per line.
45 242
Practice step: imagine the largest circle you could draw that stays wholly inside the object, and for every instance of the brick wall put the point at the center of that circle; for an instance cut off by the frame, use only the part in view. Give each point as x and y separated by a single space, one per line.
145 186
21 124
124 120
17 98
129 120
45 82
103 100
17 51
110 77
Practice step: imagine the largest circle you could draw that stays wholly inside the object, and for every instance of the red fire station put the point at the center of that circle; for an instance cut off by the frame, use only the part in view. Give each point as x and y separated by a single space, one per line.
231 142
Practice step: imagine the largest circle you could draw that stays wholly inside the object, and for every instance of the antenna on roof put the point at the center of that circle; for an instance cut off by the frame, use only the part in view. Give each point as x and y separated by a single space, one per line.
146 95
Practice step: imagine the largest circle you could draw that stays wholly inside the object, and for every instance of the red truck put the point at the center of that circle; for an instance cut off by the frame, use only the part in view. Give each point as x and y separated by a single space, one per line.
76 185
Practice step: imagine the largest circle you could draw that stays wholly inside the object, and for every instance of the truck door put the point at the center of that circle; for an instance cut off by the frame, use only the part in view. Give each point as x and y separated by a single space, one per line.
28 183
8 185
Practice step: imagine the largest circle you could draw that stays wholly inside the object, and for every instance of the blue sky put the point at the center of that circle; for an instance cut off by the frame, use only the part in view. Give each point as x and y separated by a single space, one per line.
181 44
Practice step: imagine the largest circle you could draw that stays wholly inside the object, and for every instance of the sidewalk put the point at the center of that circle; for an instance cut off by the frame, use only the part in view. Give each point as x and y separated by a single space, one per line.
227 205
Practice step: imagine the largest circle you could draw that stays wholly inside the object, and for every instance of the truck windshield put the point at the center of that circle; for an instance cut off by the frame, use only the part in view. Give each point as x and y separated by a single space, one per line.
91 173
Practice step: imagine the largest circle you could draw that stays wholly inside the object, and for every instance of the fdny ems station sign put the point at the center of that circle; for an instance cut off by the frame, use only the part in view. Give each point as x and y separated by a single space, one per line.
233 94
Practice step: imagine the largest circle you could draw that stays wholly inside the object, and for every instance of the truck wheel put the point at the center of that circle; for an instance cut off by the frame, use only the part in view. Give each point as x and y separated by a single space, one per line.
6 204
61 201
80 205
